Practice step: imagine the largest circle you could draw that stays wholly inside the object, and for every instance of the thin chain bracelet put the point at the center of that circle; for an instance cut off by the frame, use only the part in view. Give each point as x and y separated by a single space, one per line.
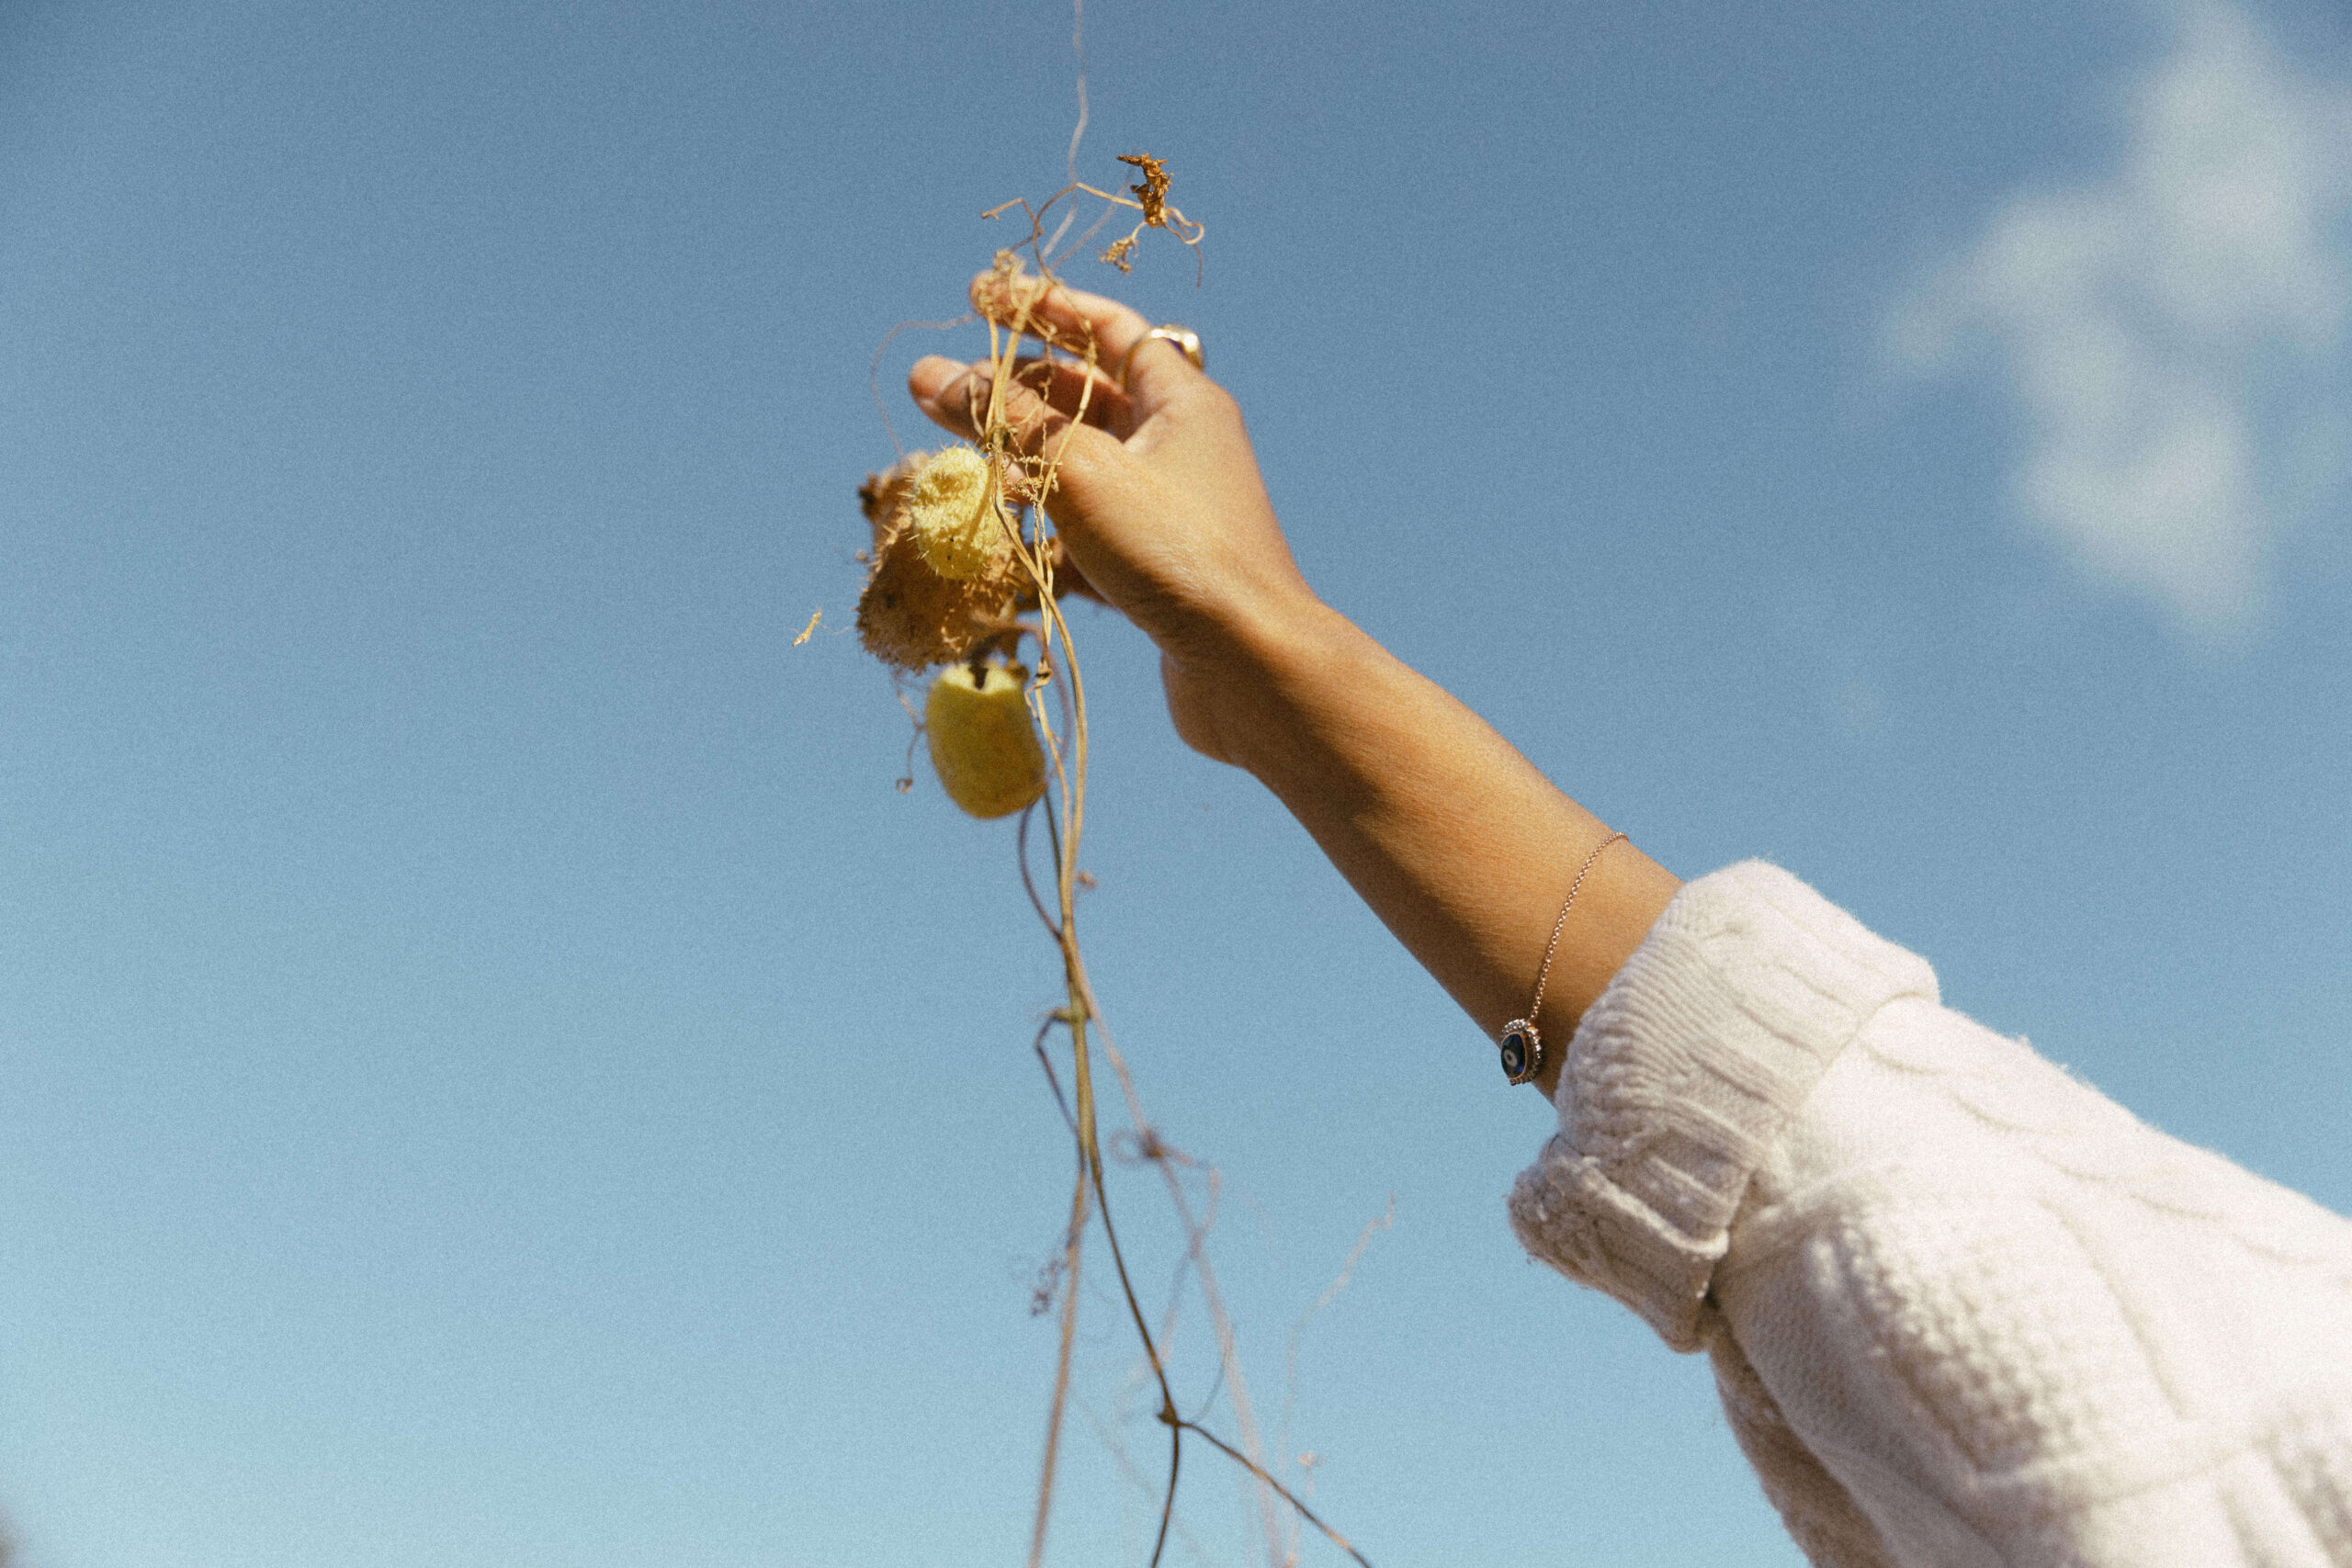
1521 1042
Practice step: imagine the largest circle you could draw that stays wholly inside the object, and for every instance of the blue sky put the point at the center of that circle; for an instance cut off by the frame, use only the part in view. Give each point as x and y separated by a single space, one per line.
496 1074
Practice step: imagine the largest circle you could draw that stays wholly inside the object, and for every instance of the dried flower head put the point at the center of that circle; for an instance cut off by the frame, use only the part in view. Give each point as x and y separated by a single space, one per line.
1153 192
882 495
952 510
911 616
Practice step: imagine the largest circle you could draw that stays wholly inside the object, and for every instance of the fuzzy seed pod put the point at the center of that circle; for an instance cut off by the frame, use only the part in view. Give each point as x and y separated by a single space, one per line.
982 743
883 497
911 616
951 509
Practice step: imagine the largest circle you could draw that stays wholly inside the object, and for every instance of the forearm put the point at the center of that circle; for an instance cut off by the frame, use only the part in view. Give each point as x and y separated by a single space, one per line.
1453 838
1458 843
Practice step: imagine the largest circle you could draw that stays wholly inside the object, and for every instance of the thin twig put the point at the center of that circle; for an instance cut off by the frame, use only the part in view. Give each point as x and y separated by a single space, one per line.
1237 1457
1071 1253
1387 1220
1066 750
1028 885
1196 1237
1109 1436
1052 1081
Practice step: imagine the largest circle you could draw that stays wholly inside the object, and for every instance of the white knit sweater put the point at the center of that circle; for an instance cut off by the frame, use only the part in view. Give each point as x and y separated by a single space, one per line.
1963 1310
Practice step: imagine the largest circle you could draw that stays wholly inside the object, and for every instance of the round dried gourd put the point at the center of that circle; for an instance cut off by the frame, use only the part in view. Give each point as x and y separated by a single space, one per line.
982 744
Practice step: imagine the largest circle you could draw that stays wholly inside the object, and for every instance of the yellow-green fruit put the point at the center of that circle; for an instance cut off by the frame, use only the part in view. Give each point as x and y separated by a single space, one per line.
981 741
953 517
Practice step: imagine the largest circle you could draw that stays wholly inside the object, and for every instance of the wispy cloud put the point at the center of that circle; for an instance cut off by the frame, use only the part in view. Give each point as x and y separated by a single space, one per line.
2173 334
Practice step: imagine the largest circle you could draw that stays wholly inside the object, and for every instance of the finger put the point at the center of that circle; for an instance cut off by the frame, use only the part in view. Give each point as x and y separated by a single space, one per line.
950 392
1076 389
1068 578
1073 320
1070 388
1050 309
956 397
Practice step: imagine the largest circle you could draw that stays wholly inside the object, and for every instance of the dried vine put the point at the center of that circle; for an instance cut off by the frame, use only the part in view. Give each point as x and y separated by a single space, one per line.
973 578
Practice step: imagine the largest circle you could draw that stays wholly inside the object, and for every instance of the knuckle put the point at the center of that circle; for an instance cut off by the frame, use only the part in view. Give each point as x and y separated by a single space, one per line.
1205 402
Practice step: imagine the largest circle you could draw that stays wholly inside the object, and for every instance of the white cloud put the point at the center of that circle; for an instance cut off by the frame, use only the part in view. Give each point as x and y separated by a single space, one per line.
2172 335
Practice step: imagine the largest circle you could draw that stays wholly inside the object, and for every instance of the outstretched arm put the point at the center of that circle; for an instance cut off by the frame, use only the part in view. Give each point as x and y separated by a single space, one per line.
1456 841
1935 1200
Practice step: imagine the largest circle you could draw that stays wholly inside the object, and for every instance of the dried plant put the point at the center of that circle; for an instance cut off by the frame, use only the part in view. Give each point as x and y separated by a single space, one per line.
966 572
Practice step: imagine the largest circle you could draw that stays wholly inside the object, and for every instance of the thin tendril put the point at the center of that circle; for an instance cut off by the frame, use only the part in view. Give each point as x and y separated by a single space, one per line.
1028 883
1067 747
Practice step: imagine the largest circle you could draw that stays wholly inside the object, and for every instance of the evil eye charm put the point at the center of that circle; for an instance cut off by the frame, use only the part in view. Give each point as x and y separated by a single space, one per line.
1523 1051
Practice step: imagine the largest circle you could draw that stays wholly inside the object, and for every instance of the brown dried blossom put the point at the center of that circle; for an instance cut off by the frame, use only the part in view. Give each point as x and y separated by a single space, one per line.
908 615
1153 192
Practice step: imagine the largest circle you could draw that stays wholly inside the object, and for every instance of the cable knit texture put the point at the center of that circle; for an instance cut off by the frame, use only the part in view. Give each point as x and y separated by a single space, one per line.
1963 1310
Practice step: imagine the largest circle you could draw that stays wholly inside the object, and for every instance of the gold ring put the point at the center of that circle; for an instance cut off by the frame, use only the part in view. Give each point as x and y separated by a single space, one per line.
1183 337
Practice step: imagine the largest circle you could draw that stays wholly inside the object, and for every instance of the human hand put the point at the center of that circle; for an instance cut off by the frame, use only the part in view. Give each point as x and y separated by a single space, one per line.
1157 497
1454 838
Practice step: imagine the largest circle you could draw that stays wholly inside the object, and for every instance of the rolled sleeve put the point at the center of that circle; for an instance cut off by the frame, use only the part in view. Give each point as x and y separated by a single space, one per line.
1685 1073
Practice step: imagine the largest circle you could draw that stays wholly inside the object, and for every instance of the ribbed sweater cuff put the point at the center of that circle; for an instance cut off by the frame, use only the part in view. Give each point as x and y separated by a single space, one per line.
1684 1074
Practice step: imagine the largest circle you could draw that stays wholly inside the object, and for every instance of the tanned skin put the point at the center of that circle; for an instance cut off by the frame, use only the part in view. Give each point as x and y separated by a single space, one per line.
1456 841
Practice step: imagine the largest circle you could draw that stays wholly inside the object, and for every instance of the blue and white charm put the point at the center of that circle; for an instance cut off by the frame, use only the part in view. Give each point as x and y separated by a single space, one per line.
1523 1050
